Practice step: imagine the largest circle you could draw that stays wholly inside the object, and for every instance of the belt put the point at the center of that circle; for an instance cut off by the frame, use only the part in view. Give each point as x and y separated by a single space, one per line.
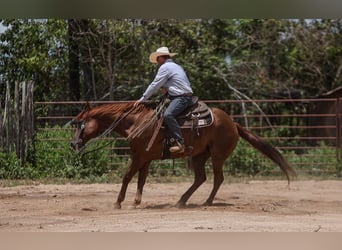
182 95
187 94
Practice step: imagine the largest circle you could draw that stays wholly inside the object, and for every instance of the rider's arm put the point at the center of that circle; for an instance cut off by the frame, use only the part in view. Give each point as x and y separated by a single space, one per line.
158 82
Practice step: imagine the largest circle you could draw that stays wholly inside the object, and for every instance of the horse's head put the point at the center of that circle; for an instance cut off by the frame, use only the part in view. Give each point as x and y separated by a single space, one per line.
86 128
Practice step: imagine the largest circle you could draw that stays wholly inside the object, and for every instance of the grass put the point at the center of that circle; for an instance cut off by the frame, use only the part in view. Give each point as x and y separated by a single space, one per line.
52 161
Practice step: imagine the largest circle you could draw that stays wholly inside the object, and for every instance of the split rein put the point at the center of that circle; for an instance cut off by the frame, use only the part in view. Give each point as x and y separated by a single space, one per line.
104 133
135 133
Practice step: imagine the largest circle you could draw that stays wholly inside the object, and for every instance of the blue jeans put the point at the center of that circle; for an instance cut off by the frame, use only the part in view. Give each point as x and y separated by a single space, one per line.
176 106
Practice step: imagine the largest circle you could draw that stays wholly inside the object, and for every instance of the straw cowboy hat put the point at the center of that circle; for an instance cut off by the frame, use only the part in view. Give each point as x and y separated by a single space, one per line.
162 51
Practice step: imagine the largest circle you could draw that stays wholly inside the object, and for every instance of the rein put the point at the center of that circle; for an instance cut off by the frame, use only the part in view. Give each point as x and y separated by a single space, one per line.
148 122
135 133
106 132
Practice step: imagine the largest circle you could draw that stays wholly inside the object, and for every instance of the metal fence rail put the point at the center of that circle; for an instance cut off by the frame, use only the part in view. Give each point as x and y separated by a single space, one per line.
305 134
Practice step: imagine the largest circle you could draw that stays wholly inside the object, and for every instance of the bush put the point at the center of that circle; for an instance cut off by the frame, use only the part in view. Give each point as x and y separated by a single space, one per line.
246 160
318 161
51 157
54 157
12 168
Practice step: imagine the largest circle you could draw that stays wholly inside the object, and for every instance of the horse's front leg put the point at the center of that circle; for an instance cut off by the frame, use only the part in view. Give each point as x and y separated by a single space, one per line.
143 172
132 170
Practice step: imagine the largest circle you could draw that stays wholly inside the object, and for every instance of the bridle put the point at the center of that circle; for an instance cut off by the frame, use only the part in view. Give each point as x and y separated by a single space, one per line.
81 125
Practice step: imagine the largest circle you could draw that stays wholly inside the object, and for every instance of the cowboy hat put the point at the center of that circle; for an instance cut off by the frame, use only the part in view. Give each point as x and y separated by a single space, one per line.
162 51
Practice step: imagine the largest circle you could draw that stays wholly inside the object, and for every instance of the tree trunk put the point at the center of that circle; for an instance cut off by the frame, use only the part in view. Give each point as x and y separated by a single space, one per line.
74 74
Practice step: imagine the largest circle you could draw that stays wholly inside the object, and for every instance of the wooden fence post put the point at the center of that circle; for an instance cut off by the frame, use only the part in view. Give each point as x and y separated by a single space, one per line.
16 120
338 129
1 125
8 119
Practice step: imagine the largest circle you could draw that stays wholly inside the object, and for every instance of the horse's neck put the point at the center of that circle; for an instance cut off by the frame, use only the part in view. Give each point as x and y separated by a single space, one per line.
119 123
129 121
136 123
106 118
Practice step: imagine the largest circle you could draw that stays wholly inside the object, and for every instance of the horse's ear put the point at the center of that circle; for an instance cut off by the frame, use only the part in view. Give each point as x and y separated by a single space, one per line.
86 107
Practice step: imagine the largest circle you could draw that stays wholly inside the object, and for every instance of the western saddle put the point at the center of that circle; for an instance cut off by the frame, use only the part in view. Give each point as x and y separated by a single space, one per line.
198 115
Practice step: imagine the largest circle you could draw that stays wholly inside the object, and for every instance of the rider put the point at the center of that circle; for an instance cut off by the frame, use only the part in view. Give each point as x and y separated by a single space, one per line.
172 79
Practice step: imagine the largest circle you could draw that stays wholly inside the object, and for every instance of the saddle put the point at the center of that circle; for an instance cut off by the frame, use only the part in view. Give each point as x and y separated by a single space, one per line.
198 115
198 112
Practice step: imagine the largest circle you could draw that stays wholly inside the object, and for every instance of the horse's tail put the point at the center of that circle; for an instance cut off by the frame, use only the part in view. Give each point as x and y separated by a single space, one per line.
268 150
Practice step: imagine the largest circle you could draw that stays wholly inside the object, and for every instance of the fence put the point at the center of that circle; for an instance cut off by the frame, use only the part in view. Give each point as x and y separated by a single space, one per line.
307 135
16 119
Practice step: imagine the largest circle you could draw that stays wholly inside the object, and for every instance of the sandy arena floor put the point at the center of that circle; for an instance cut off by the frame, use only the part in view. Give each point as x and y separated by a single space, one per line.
256 206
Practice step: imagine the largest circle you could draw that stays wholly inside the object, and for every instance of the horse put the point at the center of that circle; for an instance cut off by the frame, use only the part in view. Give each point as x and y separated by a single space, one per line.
216 141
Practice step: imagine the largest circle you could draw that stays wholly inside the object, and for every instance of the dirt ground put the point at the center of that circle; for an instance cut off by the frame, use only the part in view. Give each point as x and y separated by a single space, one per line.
254 206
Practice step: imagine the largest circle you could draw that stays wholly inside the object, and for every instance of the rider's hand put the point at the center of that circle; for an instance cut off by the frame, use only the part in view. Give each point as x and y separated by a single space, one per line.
137 103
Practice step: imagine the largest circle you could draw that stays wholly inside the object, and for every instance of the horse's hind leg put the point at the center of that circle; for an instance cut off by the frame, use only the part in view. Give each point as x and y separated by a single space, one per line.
198 163
218 179
220 151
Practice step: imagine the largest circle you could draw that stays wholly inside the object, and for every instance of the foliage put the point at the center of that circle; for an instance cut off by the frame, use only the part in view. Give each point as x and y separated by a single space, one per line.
54 157
245 160
12 168
260 57
318 161
35 50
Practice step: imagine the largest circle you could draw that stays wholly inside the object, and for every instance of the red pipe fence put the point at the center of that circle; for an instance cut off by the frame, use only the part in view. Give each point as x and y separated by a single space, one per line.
307 131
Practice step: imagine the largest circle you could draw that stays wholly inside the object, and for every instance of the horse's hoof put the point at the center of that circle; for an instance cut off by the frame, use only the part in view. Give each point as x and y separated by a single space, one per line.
136 203
135 206
207 204
117 206
180 204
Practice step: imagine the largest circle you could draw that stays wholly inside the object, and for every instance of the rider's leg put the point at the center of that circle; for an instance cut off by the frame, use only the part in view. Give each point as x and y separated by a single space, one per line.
176 106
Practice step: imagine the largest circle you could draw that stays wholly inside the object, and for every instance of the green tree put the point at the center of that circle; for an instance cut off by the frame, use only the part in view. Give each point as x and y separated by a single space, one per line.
35 50
263 58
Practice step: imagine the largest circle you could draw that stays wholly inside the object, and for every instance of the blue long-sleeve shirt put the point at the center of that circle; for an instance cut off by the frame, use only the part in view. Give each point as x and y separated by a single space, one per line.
170 76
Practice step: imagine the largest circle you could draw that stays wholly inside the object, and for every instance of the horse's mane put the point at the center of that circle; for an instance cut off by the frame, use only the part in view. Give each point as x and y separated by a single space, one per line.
118 109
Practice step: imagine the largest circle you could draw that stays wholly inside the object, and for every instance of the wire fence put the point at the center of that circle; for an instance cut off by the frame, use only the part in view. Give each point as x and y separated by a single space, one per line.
306 131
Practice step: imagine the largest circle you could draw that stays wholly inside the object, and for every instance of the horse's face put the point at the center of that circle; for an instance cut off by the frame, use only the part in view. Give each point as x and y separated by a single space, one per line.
86 129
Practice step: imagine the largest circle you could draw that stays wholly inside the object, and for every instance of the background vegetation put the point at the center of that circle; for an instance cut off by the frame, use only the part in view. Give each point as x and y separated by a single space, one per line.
108 59
87 59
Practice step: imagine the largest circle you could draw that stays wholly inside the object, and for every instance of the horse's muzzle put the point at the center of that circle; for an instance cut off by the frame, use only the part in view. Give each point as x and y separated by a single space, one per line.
77 145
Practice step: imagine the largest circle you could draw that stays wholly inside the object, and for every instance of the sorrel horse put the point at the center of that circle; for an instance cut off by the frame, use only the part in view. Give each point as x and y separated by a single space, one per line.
216 141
